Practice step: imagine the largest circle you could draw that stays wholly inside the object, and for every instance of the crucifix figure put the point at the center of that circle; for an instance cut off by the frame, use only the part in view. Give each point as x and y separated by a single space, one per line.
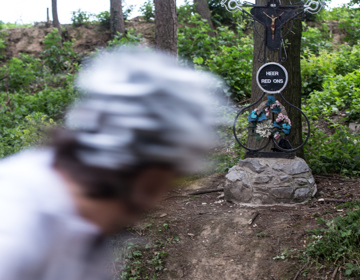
274 17
273 25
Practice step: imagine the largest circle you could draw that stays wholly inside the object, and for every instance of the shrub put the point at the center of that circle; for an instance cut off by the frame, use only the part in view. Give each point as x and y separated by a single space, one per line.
351 26
337 153
315 69
104 19
220 16
227 54
58 56
338 242
339 93
80 18
19 73
314 40
3 43
34 131
130 37
127 11
184 12
148 10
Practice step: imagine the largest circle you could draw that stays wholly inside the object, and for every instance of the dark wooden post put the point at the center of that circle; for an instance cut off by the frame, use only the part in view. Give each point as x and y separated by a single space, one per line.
166 26
117 23
202 8
56 22
292 93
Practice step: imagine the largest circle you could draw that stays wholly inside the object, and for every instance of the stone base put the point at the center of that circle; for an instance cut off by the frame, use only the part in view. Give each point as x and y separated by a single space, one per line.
269 181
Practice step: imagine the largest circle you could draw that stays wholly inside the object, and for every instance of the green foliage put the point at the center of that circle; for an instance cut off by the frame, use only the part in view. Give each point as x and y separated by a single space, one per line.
336 153
3 44
14 25
314 40
347 19
33 131
57 56
127 10
315 69
337 243
220 16
104 19
14 110
184 12
234 64
19 72
227 54
340 93
133 261
30 96
80 18
130 37
351 26
148 10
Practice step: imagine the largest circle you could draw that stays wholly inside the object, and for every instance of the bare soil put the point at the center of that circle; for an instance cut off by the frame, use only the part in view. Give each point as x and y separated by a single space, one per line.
217 241
88 38
29 40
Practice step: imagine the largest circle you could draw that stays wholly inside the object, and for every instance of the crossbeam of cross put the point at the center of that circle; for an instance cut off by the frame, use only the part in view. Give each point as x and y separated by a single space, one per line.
274 17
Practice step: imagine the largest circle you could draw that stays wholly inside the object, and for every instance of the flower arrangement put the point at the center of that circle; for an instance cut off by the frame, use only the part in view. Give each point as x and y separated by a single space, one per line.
263 127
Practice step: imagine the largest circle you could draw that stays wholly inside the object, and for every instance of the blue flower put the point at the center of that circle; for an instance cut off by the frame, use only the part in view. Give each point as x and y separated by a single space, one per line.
286 126
253 117
271 100
261 117
276 110
286 131
277 125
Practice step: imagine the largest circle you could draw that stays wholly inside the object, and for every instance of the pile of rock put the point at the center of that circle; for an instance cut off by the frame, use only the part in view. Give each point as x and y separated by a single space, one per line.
269 181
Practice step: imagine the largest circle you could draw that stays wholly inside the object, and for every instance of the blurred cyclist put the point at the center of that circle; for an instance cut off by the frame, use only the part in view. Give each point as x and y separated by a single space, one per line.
142 121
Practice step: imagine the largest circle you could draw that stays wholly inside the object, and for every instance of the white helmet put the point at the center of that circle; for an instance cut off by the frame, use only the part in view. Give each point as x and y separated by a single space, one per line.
141 107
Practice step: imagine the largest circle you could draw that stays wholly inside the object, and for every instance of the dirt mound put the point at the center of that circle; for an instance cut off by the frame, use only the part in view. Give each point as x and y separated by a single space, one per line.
29 40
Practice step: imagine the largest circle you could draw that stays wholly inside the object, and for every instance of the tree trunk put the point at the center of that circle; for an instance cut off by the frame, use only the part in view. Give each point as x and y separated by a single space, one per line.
56 22
202 8
292 92
166 26
117 23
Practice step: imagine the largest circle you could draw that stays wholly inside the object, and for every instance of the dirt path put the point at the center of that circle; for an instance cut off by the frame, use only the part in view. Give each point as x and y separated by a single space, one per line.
215 241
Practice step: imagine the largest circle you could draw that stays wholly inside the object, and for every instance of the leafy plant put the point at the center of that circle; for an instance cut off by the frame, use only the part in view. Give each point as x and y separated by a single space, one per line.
3 43
315 40
130 37
80 18
337 243
227 54
104 19
284 255
185 11
57 56
148 10
19 72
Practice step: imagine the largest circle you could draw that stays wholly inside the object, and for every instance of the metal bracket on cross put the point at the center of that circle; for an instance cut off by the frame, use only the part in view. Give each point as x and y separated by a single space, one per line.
276 19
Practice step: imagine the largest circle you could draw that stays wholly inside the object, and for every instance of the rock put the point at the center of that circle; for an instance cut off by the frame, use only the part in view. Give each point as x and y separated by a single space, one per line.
301 181
268 181
302 193
253 164
237 192
297 166
261 179
235 174
284 178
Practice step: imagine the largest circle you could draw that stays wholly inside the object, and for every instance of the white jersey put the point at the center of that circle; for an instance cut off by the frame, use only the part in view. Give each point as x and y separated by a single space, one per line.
42 237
